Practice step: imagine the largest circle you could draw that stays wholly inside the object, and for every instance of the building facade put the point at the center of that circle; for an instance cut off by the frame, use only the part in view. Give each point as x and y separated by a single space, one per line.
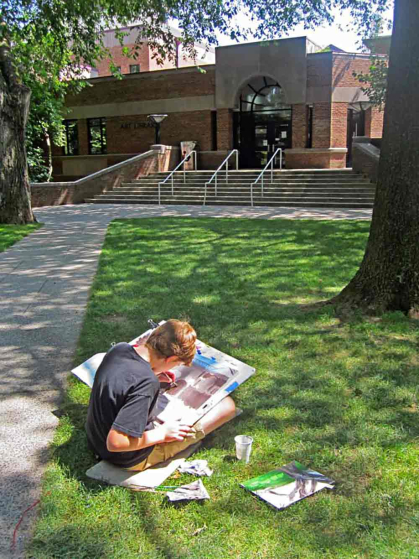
256 97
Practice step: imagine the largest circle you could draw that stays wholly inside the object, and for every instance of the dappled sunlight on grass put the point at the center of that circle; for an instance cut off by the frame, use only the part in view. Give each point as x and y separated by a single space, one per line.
339 397
10 234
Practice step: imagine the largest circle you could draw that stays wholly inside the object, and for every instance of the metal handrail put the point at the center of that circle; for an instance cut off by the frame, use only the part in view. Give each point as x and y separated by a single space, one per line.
186 158
271 163
236 151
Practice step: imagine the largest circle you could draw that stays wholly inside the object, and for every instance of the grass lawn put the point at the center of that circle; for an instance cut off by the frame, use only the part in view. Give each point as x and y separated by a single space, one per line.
340 398
11 234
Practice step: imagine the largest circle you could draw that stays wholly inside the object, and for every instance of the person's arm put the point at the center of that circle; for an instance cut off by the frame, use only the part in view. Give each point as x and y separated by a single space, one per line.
117 441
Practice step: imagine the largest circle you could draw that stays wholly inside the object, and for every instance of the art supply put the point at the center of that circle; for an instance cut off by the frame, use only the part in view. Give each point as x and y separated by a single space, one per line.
188 393
243 447
193 492
196 468
287 485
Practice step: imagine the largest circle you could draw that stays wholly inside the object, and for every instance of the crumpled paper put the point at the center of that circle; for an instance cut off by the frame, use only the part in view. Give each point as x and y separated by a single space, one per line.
196 468
192 492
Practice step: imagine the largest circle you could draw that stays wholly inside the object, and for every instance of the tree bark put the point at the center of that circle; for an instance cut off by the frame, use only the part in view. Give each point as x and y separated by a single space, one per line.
15 200
388 278
49 155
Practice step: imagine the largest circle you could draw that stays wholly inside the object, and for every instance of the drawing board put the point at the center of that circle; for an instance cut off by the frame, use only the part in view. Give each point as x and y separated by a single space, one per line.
211 377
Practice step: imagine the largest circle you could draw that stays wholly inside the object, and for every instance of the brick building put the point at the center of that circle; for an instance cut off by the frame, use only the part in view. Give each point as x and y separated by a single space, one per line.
254 97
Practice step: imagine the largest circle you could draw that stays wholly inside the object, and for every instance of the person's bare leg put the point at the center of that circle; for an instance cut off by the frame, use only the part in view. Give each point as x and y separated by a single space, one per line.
220 414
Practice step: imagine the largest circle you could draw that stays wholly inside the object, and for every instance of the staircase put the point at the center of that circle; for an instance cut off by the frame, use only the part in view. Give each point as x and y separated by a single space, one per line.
324 188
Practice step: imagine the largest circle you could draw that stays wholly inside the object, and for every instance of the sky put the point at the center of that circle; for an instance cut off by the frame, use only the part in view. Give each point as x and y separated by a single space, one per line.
337 34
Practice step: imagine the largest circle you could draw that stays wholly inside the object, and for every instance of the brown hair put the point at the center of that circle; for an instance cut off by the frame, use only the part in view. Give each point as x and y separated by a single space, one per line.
174 337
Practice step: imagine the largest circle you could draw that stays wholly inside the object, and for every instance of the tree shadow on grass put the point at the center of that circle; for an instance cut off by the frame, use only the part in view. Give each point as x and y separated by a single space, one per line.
83 542
242 293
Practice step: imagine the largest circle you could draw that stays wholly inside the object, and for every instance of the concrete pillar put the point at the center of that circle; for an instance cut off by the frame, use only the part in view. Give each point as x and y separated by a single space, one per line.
167 157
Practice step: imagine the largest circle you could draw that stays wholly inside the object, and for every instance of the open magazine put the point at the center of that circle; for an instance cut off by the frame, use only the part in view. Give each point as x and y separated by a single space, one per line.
196 389
287 485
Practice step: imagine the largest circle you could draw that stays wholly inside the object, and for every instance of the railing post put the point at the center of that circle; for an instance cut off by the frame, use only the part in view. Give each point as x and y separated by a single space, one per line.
251 195
262 186
205 193
280 160
227 171
272 170
215 190
237 159
159 194
173 188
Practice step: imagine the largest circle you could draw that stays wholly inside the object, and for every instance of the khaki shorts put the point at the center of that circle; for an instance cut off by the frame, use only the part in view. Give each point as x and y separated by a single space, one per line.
164 451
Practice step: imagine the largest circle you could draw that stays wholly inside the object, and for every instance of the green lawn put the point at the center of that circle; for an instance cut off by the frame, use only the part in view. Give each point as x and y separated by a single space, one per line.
11 234
340 398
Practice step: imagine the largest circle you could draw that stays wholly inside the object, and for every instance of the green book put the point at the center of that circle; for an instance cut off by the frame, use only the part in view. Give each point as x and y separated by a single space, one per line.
287 485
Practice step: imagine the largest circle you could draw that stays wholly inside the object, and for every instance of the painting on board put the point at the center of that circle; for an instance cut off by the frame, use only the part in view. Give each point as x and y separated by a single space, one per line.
195 389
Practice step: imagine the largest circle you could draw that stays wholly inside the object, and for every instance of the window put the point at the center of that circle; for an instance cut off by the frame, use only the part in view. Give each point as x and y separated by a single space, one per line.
310 127
94 73
71 144
97 135
214 130
134 68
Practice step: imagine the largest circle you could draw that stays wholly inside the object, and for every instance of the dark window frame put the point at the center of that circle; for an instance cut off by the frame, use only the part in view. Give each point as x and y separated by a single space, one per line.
68 138
102 124
309 143
213 130
131 66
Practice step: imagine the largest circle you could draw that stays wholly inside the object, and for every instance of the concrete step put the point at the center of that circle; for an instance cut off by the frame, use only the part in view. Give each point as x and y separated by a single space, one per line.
239 200
251 178
289 203
277 172
240 193
300 188
238 186
258 171
353 182
233 185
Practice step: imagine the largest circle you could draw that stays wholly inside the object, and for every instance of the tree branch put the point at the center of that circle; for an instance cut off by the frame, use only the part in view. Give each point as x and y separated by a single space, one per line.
8 73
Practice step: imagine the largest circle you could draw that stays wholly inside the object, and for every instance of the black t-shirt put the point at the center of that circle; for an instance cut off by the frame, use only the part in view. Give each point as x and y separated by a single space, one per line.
124 392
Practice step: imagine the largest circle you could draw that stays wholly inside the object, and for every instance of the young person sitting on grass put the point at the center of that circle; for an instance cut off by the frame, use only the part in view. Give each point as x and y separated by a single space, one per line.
125 391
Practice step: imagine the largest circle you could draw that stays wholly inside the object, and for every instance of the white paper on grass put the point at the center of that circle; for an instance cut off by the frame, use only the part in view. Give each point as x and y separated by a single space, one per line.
212 376
287 485
282 497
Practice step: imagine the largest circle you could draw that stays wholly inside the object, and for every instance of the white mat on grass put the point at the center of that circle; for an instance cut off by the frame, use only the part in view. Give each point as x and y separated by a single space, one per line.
113 475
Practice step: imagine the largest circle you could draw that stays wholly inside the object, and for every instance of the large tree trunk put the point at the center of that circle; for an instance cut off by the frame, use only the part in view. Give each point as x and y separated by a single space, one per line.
388 278
49 155
15 202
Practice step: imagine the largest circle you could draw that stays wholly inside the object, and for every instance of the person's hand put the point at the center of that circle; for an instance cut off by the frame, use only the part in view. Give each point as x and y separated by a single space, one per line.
176 431
171 375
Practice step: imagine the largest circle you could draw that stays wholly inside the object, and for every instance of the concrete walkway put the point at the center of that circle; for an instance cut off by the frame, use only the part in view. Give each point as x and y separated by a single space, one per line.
44 286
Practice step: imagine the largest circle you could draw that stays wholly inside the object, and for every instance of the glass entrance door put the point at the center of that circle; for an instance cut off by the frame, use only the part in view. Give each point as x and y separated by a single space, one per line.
260 134
269 136
263 122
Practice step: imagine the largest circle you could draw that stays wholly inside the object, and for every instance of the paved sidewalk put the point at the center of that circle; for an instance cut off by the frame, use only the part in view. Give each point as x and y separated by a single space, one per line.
44 286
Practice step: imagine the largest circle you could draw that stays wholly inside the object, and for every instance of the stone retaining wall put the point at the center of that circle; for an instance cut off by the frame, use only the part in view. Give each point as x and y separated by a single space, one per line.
159 158
365 158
